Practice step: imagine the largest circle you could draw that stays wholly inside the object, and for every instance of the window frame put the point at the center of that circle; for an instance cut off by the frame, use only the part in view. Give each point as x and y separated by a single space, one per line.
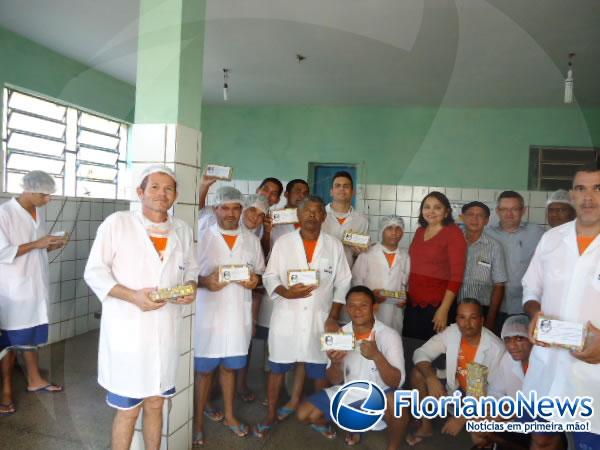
77 173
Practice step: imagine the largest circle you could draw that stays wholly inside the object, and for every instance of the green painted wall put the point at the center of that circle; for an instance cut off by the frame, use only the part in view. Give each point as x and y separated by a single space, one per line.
459 147
31 66
422 146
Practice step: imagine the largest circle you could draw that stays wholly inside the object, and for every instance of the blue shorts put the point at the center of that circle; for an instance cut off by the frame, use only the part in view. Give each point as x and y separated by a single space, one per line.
323 403
314 371
586 441
206 365
120 402
28 337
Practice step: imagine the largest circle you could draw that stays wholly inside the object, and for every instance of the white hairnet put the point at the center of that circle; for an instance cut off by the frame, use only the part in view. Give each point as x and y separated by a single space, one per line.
228 194
39 182
515 326
390 221
156 168
560 196
259 202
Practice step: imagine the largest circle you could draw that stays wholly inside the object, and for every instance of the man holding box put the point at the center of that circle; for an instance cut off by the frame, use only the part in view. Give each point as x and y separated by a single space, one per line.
385 268
295 191
563 282
303 311
24 285
134 253
231 262
342 217
377 357
465 342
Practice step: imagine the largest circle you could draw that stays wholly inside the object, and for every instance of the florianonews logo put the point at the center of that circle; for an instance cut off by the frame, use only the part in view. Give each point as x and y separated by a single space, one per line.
358 406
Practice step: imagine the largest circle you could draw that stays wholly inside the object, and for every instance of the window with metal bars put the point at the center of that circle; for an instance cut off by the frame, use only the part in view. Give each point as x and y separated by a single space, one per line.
552 168
85 154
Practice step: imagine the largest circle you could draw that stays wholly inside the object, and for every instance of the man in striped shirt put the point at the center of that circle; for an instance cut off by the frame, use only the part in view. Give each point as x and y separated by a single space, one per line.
485 272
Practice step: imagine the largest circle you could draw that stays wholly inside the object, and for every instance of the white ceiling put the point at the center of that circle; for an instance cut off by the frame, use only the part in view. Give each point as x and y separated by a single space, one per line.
492 53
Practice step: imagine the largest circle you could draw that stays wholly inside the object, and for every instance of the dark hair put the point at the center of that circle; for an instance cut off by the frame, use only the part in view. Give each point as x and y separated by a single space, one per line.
472 301
291 184
343 174
362 290
587 168
312 199
274 181
444 201
481 205
511 194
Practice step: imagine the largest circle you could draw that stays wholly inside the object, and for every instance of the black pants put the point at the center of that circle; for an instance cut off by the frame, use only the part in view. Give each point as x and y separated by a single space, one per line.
418 321
418 329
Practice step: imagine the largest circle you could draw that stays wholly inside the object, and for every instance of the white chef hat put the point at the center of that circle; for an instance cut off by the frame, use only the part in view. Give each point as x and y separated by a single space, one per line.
39 182
390 221
259 202
560 196
515 326
156 168
228 194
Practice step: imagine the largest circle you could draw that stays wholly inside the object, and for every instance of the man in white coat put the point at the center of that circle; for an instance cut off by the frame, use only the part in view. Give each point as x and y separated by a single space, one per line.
301 313
462 343
341 216
563 282
296 191
24 247
378 358
224 318
386 267
134 253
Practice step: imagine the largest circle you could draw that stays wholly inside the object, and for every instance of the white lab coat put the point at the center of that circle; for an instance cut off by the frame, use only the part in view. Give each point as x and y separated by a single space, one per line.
224 318
371 269
447 342
568 286
356 222
508 379
296 325
266 304
23 279
138 351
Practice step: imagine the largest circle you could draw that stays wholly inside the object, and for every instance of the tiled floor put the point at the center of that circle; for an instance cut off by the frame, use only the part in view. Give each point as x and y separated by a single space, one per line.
79 418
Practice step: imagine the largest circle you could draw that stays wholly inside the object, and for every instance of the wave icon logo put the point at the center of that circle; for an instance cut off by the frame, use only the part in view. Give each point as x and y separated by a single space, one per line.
358 406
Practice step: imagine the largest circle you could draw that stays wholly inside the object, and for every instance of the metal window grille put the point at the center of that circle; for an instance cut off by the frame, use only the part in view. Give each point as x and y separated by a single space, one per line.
85 153
552 168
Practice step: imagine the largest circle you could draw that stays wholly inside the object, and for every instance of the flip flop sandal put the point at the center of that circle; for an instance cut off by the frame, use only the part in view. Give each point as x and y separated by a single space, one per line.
261 430
415 439
10 409
198 439
50 388
284 412
240 430
214 414
324 430
353 439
